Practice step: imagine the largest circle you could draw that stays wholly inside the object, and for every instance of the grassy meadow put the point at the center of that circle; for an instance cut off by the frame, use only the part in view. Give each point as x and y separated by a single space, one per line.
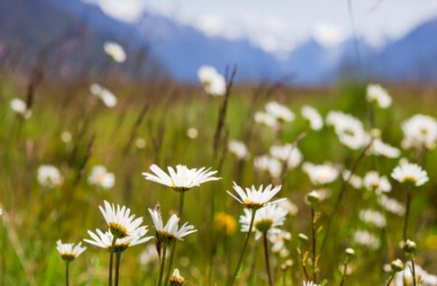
149 125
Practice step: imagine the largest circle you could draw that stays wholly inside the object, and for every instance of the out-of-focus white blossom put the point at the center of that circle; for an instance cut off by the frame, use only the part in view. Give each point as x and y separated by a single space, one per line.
321 174
115 52
379 148
367 239
391 205
287 153
49 176
268 164
213 82
374 182
378 95
420 131
100 177
355 181
107 97
20 107
373 217
239 149
313 116
350 131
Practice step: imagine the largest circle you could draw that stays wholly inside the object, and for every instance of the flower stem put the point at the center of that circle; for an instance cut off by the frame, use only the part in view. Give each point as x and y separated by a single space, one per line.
111 259
305 271
343 276
67 273
161 271
240 260
390 279
314 244
407 214
413 270
170 263
117 267
266 256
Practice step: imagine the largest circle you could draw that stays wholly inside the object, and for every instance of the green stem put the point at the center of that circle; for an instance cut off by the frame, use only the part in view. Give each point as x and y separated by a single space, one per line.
390 279
67 273
240 260
266 256
343 277
407 215
305 271
314 244
173 250
111 259
161 270
117 267
413 270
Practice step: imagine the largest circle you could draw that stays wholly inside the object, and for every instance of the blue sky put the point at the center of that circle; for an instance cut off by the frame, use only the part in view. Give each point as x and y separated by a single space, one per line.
280 25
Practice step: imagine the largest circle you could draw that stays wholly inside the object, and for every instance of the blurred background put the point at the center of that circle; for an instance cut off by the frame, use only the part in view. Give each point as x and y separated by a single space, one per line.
309 42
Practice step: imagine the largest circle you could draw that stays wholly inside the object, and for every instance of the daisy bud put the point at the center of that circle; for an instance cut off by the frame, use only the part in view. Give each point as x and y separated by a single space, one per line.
409 247
313 198
397 265
302 237
350 252
176 279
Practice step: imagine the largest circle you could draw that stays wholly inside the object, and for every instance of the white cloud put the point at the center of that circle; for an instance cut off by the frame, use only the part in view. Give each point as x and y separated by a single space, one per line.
278 26
123 10
328 35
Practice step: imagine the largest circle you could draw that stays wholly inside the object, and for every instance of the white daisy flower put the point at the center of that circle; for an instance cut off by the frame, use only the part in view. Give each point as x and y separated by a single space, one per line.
104 239
182 179
379 148
268 164
239 149
373 217
309 283
253 198
391 205
20 107
378 95
287 153
69 251
321 174
287 205
279 242
100 177
313 116
267 220
350 130
266 119
115 51
367 239
280 112
410 173
405 277
107 97
355 181
213 82
170 232
1 212
420 131
120 221
49 176
374 182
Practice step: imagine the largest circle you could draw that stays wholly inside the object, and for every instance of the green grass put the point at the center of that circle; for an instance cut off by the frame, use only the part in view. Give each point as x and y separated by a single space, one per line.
37 216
